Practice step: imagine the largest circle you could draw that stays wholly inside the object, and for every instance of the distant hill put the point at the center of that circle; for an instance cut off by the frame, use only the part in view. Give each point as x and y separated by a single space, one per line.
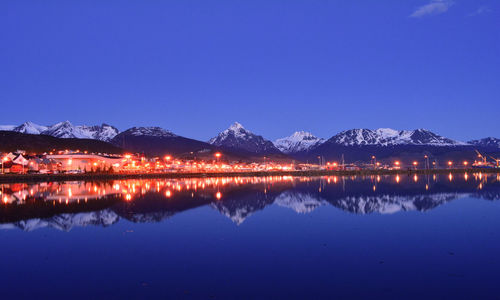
157 141
11 141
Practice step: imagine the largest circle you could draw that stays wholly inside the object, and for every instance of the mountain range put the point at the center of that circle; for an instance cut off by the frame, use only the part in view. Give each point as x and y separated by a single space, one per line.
239 142
236 137
65 129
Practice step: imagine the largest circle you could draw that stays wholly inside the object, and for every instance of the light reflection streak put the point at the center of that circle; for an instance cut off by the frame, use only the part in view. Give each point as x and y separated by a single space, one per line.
128 190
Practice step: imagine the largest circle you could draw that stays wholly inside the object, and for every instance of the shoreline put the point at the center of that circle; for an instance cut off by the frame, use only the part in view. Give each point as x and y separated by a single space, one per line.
32 178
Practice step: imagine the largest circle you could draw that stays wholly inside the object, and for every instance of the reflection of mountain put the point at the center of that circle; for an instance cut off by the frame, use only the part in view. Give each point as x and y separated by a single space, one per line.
388 204
67 221
240 206
365 204
299 201
240 201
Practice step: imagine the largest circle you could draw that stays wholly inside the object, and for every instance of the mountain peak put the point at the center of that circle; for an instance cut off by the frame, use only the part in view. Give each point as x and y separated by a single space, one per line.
238 138
297 142
30 128
236 126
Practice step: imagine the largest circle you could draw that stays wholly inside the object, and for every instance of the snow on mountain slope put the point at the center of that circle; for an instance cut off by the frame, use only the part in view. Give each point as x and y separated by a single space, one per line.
388 137
66 222
149 131
102 132
239 138
7 127
65 129
486 142
300 202
30 128
297 142
389 203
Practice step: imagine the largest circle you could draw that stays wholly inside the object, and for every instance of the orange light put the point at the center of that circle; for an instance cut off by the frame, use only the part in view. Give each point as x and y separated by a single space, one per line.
218 155
397 163
466 162
415 163
218 195
450 163
168 157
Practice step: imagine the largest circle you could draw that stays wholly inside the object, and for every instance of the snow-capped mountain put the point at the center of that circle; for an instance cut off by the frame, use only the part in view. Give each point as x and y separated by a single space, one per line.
298 142
389 137
149 131
30 128
65 129
238 138
103 132
7 127
486 142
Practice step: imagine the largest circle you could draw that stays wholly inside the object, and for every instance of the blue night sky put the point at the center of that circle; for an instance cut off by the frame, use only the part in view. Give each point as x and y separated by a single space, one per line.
194 67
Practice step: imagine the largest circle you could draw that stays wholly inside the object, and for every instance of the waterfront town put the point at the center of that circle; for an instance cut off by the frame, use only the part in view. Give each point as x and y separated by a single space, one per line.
78 162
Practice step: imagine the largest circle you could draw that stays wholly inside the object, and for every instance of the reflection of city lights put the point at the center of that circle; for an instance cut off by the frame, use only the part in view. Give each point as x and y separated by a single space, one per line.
129 189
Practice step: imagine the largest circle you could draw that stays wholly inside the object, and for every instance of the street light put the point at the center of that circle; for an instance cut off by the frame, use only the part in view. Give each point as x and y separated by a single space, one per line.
218 155
426 162
450 163
415 164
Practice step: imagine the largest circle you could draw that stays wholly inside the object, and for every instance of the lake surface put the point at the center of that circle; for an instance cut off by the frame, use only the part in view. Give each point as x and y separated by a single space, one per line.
393 237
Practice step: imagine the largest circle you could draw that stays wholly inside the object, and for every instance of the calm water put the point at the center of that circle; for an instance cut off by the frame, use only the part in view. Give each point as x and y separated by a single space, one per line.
282 237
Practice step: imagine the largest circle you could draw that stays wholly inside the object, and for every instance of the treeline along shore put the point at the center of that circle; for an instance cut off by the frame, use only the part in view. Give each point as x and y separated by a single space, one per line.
25 178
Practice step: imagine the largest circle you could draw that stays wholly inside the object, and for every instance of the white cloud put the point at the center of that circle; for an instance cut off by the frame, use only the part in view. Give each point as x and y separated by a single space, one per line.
435 7
480 10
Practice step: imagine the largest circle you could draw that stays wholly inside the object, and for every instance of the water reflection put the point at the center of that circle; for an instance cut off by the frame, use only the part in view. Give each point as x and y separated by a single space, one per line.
69 204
